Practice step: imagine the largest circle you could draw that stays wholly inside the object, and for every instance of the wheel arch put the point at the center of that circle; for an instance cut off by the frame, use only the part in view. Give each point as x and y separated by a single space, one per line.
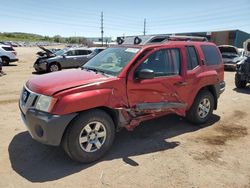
111 112
5 57
212 89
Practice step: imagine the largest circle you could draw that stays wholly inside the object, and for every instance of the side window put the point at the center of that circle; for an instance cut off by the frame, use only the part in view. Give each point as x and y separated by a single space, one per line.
163 62
71 53
192 59
83 52
211 54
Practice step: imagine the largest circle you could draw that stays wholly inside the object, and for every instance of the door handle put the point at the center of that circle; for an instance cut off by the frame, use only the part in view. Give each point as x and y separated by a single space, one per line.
180 83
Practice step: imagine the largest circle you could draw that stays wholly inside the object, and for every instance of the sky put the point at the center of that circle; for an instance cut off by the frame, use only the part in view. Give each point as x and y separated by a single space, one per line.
126 17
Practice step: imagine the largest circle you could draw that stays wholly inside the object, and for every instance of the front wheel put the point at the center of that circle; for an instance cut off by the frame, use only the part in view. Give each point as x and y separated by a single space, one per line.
202 108
89 136
5 61
54 67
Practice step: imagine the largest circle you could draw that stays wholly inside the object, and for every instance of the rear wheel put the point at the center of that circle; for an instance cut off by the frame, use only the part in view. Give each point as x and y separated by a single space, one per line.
5 61
202 108
89 136
240 83
54 67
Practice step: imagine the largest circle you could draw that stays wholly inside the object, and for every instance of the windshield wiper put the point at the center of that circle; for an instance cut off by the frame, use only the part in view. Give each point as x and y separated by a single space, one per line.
96 70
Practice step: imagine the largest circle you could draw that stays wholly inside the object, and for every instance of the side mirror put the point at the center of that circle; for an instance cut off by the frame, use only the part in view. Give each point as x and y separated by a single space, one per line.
145 74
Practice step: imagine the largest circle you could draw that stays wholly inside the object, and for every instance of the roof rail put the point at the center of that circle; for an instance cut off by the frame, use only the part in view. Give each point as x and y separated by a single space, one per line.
186 38
151 39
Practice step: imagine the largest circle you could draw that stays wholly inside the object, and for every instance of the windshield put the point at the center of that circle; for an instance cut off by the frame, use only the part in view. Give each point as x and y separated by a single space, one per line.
112 60
60 52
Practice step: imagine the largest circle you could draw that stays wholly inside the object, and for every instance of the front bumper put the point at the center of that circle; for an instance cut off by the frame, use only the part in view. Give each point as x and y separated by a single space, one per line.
45 127
41 66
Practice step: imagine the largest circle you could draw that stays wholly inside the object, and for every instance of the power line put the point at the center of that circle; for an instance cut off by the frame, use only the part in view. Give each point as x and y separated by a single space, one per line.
144 28
102 27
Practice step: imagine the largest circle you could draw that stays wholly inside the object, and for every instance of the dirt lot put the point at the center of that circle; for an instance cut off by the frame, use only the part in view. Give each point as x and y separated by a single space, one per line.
168 152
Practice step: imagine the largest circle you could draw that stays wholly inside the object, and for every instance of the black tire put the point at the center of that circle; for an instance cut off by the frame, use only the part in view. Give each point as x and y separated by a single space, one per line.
54 67
71 139
240 83
194 114
5 61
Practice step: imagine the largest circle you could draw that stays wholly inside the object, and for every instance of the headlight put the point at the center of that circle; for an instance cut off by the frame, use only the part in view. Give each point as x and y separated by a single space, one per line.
45 103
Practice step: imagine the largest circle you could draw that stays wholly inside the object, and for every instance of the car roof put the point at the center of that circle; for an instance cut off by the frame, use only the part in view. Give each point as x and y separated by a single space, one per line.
78 48
166 44
4 45
93 48
227 46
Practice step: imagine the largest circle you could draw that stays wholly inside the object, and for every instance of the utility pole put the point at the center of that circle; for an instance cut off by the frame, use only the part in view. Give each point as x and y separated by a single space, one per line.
102 27
144 30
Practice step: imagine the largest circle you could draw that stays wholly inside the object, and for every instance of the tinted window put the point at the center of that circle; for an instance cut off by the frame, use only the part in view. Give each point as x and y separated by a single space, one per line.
83 52
8 48
163 62
211 54
71 53
192 59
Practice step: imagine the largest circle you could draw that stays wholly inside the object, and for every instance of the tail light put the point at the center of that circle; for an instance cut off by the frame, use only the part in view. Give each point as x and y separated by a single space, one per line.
14 53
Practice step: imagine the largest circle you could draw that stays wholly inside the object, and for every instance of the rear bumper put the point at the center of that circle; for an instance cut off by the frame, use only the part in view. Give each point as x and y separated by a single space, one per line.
45 127
13 60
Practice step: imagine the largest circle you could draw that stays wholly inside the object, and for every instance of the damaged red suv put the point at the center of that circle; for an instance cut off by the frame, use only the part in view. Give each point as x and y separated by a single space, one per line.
142 78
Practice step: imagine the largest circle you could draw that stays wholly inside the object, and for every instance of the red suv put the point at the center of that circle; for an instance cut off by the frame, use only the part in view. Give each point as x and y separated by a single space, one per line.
143 78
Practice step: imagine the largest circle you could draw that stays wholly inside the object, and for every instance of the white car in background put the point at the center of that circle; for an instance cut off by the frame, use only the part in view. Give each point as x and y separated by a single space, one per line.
230 55
7 54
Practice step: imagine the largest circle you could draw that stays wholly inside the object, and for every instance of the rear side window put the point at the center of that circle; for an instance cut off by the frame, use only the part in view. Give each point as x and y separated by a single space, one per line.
8 48
211 54
192 59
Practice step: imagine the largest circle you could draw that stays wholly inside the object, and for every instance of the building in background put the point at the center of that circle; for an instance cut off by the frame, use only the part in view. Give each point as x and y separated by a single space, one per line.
230 37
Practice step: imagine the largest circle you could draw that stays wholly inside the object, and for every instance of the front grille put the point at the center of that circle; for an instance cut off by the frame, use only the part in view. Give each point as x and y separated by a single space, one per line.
27 99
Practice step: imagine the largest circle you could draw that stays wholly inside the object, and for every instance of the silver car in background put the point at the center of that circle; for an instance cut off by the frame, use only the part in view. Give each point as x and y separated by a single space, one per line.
51 61
7 54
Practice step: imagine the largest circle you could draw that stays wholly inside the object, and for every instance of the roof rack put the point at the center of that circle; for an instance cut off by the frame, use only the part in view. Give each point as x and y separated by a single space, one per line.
187 38
151 39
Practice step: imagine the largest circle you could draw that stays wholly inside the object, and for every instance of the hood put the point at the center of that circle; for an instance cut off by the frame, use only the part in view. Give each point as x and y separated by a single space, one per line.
51 83
228 49
46 50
